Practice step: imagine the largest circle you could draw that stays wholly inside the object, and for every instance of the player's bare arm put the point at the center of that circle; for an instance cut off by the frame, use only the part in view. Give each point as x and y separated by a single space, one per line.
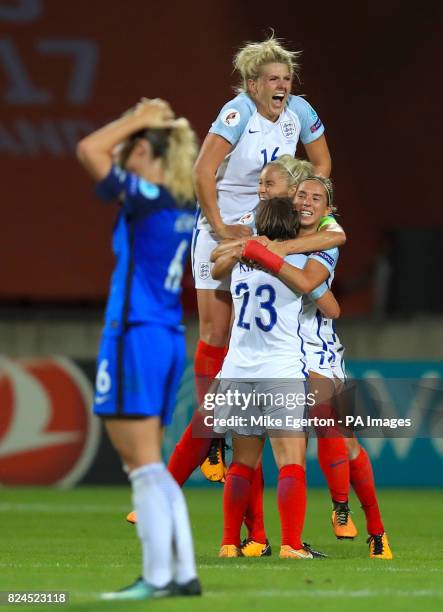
261 239
319 156
328 237
303 281
213 151
224 264
225 246
328 305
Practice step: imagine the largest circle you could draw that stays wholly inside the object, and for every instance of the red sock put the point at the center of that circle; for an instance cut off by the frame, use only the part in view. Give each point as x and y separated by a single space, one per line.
291 498
333 458
208 361
192 449
254 519
235 500
362 480
189 451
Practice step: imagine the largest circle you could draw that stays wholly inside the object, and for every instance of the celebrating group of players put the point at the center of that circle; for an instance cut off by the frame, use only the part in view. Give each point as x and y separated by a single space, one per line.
269 259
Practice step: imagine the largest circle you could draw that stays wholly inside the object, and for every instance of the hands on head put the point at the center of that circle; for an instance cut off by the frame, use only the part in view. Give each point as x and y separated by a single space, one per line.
157 113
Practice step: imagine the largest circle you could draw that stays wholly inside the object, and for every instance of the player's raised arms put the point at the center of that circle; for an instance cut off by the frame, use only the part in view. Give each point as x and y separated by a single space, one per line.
96 151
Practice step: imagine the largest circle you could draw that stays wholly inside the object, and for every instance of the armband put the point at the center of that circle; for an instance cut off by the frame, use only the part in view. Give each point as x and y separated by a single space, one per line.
257 252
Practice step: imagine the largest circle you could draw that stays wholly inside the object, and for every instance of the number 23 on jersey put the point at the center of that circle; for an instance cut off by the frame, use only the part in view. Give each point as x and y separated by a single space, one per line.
268 315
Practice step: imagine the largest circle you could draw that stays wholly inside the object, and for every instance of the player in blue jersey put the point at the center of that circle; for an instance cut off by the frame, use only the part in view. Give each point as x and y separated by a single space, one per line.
143 162
262 122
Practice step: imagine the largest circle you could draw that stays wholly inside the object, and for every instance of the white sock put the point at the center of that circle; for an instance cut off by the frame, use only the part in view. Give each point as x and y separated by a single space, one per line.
154 522
182 535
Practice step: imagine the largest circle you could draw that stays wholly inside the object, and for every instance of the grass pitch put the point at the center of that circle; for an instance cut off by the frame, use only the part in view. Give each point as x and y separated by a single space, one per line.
78 541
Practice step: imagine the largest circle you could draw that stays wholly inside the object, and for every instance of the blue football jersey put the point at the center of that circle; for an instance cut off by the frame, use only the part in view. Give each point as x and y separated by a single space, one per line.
151 239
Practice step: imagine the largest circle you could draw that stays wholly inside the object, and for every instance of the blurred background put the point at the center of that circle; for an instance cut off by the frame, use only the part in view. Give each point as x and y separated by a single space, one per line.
66 68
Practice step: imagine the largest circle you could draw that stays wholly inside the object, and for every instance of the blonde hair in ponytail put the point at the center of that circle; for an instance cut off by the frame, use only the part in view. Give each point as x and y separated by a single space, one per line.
179 160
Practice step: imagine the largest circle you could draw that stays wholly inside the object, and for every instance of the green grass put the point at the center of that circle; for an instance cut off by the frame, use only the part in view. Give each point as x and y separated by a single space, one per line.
78 541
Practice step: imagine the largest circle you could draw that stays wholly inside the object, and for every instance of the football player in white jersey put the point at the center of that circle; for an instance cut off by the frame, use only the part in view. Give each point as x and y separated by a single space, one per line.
280 178
275 178
314 202
263 121
342 460
265 344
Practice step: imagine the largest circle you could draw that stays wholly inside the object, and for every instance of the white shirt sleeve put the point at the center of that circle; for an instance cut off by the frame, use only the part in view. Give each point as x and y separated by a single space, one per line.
233 118
311 125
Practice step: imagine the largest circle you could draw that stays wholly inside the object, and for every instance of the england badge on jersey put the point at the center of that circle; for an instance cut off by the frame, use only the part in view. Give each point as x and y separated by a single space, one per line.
204 270
288 128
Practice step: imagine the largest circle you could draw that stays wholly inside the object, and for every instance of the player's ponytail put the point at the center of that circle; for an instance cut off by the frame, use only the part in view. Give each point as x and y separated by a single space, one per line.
179 160
178 148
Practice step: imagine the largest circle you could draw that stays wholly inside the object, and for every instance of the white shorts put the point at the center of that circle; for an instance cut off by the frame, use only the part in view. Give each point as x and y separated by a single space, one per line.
203 243
337 362
327 362
273 405
317 360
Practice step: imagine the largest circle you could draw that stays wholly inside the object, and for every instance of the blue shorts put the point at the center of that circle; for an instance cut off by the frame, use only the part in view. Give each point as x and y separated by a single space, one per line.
139 372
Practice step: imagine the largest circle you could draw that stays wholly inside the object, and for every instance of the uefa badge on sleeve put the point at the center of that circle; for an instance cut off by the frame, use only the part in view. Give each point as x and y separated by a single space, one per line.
248 219
231 117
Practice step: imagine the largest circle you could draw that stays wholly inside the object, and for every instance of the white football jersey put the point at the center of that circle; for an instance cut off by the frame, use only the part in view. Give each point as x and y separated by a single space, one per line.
256 141
311 319
321 343
265 339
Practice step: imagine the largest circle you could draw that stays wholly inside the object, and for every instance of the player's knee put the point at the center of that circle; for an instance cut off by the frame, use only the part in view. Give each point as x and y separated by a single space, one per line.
353 448
289 450
246 457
